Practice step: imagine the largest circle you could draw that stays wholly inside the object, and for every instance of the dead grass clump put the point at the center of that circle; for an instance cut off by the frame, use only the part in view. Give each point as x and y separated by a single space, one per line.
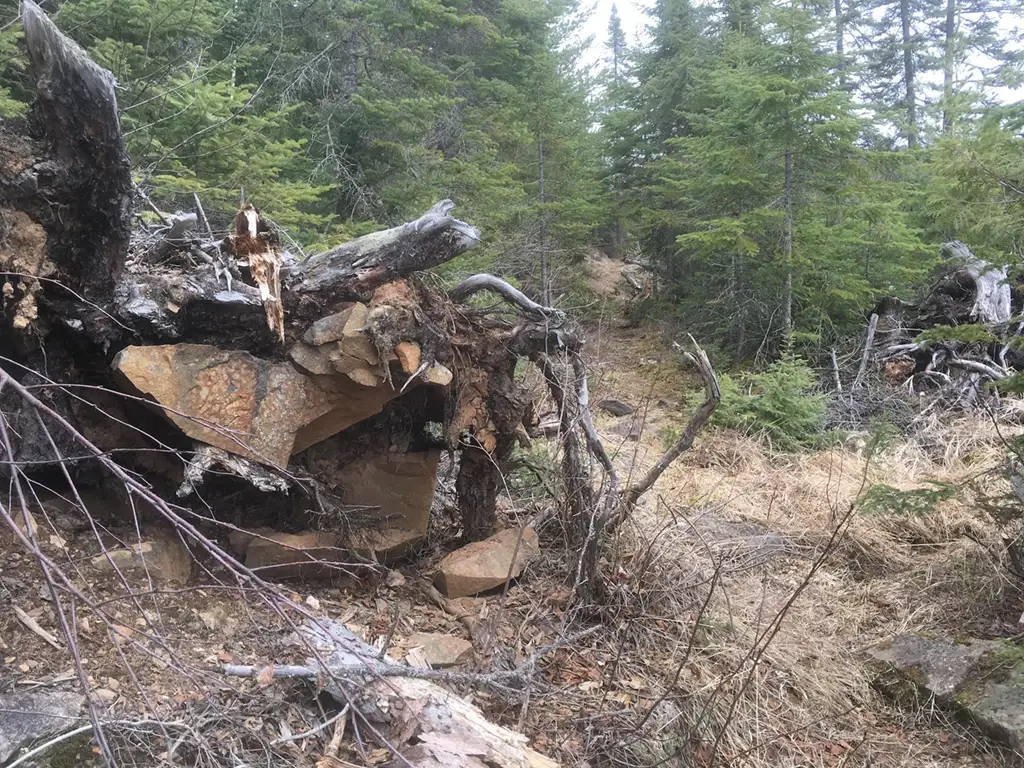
721 665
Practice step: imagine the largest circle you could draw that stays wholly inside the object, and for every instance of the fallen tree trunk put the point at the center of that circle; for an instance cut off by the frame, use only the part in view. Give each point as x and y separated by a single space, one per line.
957 340
423 724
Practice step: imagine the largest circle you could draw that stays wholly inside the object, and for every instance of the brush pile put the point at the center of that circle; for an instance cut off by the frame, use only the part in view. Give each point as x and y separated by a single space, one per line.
956 341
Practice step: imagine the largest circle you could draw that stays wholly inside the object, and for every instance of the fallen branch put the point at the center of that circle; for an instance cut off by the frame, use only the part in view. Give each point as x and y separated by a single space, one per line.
391 696
33 625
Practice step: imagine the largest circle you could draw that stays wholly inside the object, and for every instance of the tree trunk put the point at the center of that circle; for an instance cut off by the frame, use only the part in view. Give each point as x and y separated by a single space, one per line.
840 46
545 279
79 205
948 66
911 131
476 487
787 255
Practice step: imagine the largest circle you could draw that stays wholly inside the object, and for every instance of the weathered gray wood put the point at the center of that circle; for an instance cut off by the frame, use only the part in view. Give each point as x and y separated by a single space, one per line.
992 291
352 270
197 306
869 345
396 702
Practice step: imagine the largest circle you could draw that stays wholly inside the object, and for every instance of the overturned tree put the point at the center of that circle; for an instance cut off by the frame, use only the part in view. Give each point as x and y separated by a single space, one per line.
956 341
222 363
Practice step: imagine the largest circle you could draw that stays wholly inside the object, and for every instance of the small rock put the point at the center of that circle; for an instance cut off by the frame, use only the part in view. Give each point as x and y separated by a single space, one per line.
616 407
292 556
311 359
438 374
409 356
337 326
442 650
364 376
395 579
28 716
163 559
218 620
19 522
484 565
105 695
360 346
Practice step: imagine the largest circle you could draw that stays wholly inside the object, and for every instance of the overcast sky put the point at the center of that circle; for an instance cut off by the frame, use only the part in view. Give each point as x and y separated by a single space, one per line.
635 21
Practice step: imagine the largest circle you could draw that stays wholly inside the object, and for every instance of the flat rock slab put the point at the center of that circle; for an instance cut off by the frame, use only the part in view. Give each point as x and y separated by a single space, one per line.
484 565
441 650
293 555
402 485
29 716
983 679
244 405
616 407
163 559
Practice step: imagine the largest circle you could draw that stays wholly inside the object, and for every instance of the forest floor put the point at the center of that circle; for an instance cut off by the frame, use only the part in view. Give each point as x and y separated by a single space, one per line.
766 518
751 678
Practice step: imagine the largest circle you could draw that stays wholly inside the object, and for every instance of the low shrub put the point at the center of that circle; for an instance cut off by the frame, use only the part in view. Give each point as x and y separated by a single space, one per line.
782 404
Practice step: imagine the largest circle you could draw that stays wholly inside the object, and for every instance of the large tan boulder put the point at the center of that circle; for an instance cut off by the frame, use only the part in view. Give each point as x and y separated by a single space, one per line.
402 485
247 406
484 565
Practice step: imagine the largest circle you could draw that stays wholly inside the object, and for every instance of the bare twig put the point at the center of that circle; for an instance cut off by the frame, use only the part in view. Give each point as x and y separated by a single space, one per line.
314 730
869 343
33 625
700 417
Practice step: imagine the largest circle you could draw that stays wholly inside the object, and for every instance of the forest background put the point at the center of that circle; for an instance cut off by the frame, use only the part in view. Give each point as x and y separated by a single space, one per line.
780 165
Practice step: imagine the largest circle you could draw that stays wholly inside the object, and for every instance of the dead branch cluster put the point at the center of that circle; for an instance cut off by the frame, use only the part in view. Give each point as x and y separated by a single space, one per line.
954 345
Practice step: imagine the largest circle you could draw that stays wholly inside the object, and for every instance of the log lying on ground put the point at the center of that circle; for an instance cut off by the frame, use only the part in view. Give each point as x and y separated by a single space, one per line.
424 724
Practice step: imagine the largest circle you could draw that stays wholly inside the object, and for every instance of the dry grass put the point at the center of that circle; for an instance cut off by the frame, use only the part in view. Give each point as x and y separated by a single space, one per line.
706 658
805 698
755 678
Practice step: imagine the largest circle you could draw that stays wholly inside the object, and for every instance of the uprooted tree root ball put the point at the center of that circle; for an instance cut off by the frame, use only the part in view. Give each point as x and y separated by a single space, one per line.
214 414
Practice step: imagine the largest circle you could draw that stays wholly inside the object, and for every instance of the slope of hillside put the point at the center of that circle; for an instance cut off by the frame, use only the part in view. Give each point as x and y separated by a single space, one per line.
807 697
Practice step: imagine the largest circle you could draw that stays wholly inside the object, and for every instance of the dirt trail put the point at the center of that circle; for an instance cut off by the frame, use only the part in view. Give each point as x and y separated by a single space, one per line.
766 518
